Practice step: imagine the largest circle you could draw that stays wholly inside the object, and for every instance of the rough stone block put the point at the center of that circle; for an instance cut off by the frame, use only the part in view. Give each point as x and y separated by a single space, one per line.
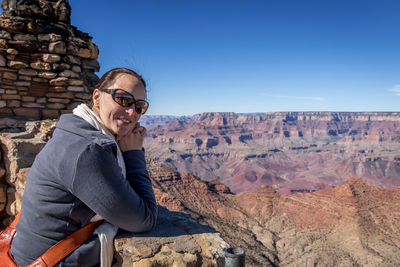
10 75
47 74
58 100
2 91
22 83
91 64
75 82
41 100
59 81
61 67
41 66
57 47
51 58
57 89
17 65
24 37
12 25
3 61
176 240
83 96
94 50
56 106
27 72
72 60
50 113
7 82
3 44
12 51
25 78
14 103
32 105
84 53
5 87
27 112
6 111
11 97
10 57
8 69
28 99
52 37
75 89
76 69
68 74
5 35
11 92
72 49
39 80
21 89
3 104
61 95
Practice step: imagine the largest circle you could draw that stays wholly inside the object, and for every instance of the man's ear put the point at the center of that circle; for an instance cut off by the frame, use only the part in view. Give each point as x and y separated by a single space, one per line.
96 98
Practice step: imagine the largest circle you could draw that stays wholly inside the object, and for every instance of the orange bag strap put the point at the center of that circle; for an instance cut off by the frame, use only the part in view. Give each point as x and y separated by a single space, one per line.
64 247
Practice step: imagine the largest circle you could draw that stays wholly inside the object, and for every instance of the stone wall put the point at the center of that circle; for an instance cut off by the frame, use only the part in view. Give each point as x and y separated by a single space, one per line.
20 142
46 65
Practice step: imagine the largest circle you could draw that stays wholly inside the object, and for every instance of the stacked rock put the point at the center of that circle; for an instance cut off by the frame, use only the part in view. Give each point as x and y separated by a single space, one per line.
47 66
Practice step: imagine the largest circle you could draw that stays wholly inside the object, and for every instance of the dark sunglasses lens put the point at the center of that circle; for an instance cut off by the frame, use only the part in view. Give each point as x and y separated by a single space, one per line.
123 98
141 107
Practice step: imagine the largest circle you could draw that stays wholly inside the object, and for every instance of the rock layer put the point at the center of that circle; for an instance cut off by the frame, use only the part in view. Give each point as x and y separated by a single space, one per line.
351 225
291 151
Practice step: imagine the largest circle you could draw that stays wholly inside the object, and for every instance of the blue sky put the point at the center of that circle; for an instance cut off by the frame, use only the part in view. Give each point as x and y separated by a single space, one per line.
254 55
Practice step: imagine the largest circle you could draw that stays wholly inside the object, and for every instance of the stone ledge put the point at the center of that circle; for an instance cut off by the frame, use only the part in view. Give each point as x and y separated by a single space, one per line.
176 240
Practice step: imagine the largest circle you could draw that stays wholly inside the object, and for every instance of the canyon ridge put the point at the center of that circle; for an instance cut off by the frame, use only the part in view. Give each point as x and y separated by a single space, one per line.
290 151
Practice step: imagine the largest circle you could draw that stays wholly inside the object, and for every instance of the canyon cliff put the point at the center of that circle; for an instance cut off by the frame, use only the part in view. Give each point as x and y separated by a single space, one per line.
354 224
290 151
350 225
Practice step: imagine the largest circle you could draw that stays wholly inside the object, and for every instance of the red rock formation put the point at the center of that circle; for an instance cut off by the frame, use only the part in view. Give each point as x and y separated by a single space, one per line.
351 225
291 151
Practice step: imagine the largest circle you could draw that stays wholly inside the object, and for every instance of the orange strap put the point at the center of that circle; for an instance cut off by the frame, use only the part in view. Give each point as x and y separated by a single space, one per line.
64 247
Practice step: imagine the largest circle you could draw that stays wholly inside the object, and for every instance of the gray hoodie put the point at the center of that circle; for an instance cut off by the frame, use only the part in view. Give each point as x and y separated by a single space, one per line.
75 176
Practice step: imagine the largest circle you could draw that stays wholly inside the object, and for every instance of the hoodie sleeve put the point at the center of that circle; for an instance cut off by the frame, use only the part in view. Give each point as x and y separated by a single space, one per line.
98 182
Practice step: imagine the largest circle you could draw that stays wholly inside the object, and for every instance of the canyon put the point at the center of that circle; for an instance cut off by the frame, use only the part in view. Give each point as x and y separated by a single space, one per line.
281 185
350 225
290 151
353 224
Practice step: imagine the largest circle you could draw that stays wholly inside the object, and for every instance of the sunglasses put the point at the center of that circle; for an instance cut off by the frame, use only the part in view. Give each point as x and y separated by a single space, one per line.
126 100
